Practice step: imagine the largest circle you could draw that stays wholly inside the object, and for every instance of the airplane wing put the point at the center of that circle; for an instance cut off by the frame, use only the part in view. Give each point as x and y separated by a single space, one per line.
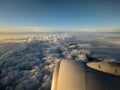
77 75
108 67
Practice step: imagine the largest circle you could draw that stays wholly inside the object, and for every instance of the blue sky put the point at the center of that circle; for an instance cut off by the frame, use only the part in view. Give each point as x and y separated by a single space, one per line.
60 14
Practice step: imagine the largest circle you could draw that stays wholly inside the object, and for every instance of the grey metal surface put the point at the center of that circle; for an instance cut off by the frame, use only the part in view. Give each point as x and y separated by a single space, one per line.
108 67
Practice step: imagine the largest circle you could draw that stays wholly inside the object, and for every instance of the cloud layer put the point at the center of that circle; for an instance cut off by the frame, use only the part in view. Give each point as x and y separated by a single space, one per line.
28 63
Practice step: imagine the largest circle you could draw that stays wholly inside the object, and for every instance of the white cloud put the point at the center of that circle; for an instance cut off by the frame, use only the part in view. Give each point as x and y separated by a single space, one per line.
42 29
22 29
107 29
33 29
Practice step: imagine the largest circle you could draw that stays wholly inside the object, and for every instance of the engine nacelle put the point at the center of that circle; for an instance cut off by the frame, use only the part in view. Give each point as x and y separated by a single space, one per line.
76 75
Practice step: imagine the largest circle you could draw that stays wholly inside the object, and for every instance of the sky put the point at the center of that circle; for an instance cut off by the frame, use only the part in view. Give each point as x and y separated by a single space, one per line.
56 15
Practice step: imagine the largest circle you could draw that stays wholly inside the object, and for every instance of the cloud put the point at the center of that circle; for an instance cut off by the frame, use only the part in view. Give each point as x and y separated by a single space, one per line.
22 29
41 29
33 29
29 65
107 29
5 30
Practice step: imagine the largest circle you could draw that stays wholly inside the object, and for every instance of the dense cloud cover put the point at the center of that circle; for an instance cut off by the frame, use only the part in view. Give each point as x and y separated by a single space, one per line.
28 63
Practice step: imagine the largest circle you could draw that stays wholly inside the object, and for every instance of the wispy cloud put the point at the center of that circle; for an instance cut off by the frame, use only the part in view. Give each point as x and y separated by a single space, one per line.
22 29
40 29
33 29
107 29
5 30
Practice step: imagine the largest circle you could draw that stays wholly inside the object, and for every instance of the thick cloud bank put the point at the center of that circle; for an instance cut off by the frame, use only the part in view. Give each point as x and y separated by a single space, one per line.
28 63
